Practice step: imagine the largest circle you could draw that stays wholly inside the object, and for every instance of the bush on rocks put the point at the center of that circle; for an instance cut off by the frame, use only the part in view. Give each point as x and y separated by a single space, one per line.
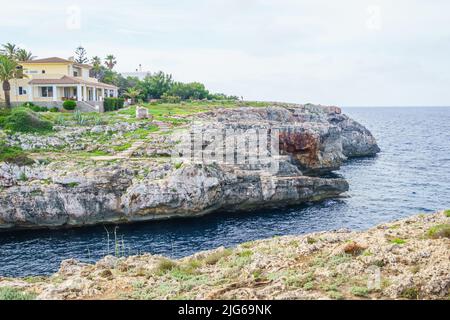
439 231
13 155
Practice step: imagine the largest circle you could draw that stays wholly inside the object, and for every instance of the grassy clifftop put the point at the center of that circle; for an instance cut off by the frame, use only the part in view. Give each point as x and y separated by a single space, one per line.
407 259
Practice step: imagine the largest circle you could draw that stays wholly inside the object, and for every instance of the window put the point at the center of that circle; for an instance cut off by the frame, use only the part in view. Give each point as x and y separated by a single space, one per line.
43 71
75 73
46 92
22 91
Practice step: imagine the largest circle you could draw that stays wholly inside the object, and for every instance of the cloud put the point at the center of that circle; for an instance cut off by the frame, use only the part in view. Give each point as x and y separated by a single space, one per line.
349 52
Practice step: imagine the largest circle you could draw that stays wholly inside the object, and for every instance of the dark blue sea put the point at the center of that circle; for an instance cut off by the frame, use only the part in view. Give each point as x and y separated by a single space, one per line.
411 175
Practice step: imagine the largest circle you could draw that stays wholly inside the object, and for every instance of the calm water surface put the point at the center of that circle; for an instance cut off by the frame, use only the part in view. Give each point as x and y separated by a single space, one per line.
411 175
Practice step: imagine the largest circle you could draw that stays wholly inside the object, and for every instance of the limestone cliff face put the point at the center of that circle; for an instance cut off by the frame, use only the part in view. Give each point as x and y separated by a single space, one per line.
313 140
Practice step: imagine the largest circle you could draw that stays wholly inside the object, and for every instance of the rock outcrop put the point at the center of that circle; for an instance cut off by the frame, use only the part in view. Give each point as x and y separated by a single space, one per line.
406 259
313 140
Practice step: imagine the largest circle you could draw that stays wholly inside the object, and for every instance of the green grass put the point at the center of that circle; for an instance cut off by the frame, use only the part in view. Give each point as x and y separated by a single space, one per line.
8 293
141 133
311 240
447 213
410 293
122 147
178 165
360 291
165 265
245 253
88 154
398 241
185 108
335 295
13 155
72 184
25 121
439 231
214 257
98 153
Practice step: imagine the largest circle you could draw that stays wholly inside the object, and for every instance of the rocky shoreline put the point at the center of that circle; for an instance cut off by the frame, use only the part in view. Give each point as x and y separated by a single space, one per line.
70 188
405 259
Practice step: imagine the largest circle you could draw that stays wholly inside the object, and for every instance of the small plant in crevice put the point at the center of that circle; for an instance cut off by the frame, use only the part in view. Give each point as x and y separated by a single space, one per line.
23 177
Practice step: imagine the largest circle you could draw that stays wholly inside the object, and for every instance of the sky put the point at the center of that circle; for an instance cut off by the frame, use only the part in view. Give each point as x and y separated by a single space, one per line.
345 53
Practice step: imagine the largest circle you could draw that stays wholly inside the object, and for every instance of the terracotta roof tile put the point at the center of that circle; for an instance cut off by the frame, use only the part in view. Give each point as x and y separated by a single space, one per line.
49 60
70 80
57 60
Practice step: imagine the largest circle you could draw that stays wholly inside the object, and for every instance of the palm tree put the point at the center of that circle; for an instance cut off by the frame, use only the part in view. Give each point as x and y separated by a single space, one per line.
96 61
9 50
132 93
8 71
96 67
23 55
110 61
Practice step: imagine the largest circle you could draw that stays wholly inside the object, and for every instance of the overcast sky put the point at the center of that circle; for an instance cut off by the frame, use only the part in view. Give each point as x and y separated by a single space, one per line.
346 52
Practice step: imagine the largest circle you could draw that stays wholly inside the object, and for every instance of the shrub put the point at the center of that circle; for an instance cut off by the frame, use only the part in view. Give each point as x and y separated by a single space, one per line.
170 99
165 265
8 293
53 109
353 248
120 103
33 107
112 104
439 231
410 293
24 120
360 291
447 213
214 257
4 113
69 105
28 104
13 155
109 104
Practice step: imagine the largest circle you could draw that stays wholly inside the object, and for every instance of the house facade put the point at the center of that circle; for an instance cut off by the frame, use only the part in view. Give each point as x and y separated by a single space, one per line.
50 81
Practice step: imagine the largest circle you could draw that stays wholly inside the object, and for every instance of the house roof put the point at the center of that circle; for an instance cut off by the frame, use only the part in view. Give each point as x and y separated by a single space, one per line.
57 60
49 60
71 80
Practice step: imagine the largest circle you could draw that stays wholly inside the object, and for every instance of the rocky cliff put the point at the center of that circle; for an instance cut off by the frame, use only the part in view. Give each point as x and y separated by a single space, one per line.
406 259
312 141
